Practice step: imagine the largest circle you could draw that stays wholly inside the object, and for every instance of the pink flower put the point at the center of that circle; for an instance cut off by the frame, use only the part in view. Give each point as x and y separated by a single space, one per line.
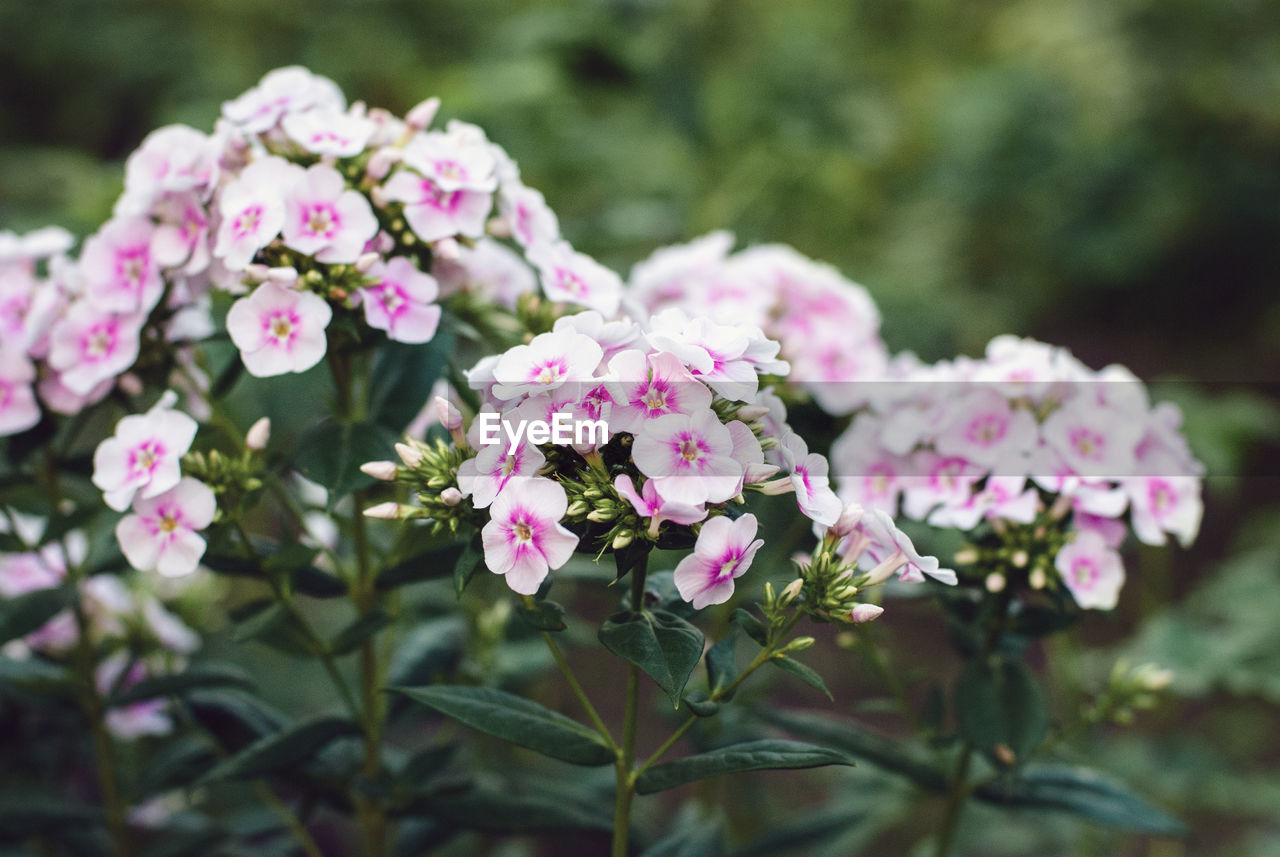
892 550
689 458
1094 440
288 89
1091 570
1004 497
161 534
494 467
548 362
18 408
400 301
713 352
576 278
532 222
120 273
1165 504
488 270
279 330
172 159
723 552
947 481
809 476
329 132
652 386
433 213
648 503
182 236
144 454
453 160
89 346
325 220
253 211
524 539
983 428
869 474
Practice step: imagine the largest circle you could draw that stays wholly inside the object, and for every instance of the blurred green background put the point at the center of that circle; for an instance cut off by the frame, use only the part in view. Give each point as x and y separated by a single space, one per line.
1104 175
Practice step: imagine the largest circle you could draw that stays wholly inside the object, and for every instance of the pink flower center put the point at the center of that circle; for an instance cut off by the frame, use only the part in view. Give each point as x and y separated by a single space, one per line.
392 298
986 430
321 219
1089 444
451 170
728 567
550 372
571 283
131 266
145 457
282 326
1085 571
246 222
1161 495
98 341
690 451
523 532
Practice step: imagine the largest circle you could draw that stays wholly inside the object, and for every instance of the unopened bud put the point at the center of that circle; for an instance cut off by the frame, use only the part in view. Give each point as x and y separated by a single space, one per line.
966 556
777 486
995 582
451 496
450 417
792 592
378 194
131 384
885 570
446 249
499 227
366 262
422 114
622 539
384 511
410 456
383 470
1020 559
380 163
600 516
747 413
1037 578
863 613
257 272
850 515
799 644
259 435
286 275
757 473
578 508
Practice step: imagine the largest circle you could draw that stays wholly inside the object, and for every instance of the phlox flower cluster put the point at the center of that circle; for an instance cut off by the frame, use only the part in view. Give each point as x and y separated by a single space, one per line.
1027 435
681 433
829 327
125 618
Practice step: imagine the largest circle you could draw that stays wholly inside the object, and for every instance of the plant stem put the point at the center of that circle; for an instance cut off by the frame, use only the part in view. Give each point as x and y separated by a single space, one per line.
580 693
627 757
373 817
956 798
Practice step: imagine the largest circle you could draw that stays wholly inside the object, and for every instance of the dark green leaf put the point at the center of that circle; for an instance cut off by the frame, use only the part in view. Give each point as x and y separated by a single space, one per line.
282 749
426 763
429 650
437 560
235 718
695 838
194 678
722 668
176 764
24 814
331 452
403 376
1001 706
754 627
763 755
662 644
631 557
361 629
1084 793
701 705
891 755
505 811
472 558
815 832
270 623
28 612
803 672
541 615
35 675
515 719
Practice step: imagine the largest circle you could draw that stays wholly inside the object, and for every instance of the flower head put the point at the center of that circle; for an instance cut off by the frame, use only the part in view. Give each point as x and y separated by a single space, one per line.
1092 571
326 220
723 552
144 455
689 458
524 539
400 301
279 330
162 532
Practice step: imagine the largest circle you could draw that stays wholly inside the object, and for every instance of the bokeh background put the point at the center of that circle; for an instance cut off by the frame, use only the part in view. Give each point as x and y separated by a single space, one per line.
1103 175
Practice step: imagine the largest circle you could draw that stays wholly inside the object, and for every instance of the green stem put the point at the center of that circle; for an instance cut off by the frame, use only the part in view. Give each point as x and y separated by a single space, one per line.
626 778
104 750
596 720
373 818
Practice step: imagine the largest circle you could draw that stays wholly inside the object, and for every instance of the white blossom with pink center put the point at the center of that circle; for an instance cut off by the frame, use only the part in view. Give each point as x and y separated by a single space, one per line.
530 219
648 503
90 346
400 301
182 234
18 408
809 476
689 458
548 362
325 219
613 336
279 330
983 428
496 466
1005 497
325 131
715 353
576 278
175 159
1165 504
1092 571
453 160
162 533
524 539
144 455
433 213
488 270
1094 440
253 210
891 548
120 272
289 89
649 386
722 554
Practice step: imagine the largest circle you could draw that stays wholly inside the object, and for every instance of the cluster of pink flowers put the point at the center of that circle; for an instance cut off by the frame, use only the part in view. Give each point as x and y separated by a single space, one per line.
1027 430
675 406
118 614
829 327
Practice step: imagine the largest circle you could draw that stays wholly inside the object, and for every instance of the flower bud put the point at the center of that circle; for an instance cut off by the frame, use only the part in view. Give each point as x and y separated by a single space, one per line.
995 582
885 570
792 592
863 613
756 473
1037 578
410 456
450 417
578 508
131 384
850 515
777 486
383 470
422 114
446 249
259 435
747 413
378 194
451 496
966 556
799 644
622 539
380 163
1020 559
499 227
367 261
285 275
384 511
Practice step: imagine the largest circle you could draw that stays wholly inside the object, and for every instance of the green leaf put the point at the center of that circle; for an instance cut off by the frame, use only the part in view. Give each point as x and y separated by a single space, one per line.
304 578
895 756
701 705
722 668
662 644
270 623
176 764
504 811
331 452
24 814
429 650
541 615
28 612
472 558
754 627
805 673
1001 706
438 560
696 837
361 629
194 678
816 832
1081 792
282 749
35 675
763 755
403 376
515 719
234 717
